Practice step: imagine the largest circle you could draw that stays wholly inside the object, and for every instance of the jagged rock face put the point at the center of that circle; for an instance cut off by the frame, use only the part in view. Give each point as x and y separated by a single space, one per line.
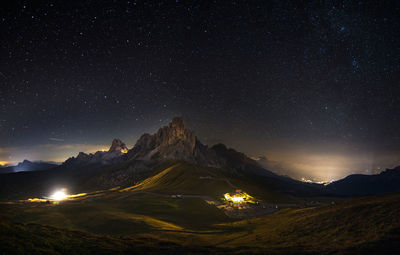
176 134
113 155
174 141
118 145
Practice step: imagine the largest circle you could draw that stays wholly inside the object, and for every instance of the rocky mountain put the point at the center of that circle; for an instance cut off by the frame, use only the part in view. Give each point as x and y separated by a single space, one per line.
112 156
387 181
27 165
173 142
118 145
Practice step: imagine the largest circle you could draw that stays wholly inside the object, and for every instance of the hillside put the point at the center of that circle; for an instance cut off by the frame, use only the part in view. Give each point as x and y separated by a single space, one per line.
190 226
190 179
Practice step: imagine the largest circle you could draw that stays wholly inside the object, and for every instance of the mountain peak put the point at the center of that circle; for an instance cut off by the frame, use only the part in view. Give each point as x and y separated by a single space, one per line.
178 123
24 163
118 145
27 165
174 141
111 156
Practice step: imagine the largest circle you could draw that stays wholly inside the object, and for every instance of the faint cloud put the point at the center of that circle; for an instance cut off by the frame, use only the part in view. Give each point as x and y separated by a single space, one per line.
56 139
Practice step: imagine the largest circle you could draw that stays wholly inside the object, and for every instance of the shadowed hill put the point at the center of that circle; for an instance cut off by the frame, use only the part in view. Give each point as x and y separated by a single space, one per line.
26 166
186 178
190 179
357 184
362 226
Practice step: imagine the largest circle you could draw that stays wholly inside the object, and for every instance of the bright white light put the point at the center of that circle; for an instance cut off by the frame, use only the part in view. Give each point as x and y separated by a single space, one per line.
234 198
237 199
59 195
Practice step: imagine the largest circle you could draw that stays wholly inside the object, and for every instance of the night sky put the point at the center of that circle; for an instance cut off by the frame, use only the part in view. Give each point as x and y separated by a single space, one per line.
311 85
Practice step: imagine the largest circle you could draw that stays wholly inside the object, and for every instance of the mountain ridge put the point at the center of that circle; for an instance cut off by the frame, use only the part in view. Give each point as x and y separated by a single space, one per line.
387 181
172 142
26 166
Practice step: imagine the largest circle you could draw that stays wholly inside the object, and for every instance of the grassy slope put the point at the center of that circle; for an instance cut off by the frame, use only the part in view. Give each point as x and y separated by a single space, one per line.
188 179
369 224
38 239
120 220
365 225
137 213
183 178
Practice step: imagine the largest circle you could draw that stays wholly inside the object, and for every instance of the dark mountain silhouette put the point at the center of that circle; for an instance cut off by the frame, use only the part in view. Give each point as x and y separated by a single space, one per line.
387 181
112 156
27 165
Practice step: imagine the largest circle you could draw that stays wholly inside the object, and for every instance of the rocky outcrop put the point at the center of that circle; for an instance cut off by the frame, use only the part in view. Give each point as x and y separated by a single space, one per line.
172 142
118 145
112 156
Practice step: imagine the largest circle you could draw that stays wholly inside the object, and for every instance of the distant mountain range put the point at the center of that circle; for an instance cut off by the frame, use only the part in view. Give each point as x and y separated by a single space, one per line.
112 156
172 142
27 165
387 181
120 166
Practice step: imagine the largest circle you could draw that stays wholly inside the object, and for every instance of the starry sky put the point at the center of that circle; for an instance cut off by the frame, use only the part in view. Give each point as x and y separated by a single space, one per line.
311 85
